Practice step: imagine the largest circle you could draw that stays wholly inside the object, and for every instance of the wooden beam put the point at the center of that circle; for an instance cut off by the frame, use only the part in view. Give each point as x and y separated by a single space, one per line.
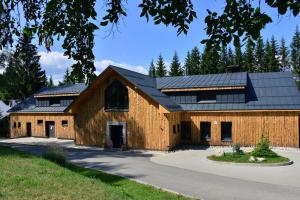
202 89
57 95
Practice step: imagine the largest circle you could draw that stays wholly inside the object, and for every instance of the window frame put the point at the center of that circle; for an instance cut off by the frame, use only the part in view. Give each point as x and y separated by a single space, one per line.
64 123
224 137
40 122
116 97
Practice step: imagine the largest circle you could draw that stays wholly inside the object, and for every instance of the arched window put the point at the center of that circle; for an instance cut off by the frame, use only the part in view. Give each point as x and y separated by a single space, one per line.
116 96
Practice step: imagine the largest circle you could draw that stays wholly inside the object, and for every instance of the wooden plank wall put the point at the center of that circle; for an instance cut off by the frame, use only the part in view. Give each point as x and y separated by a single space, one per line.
147 128
282 127
39 130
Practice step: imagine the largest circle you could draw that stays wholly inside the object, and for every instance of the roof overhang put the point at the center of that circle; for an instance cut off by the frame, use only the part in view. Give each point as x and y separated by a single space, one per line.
203 89
57 95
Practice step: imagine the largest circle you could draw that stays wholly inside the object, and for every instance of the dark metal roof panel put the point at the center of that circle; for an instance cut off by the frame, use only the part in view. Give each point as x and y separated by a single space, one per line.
76 88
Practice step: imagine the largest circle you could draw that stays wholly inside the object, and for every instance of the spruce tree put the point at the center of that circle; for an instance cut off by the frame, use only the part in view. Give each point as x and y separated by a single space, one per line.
274 62
152 70
210 61
259 55
267 58
188 64
249 61
284 56
238 56
224 60
175 68
161 67
195 61
230 57
67 78
24 75
295 52
50 82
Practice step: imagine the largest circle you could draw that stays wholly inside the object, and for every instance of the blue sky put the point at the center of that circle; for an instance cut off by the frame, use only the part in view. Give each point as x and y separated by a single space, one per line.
136 42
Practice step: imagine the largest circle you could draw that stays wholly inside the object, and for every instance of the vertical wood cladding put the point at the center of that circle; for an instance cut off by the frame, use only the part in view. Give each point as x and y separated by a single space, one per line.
147 128
39 130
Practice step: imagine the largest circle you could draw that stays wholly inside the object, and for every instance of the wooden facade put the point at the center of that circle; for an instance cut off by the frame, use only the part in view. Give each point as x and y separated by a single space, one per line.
150 126
18 125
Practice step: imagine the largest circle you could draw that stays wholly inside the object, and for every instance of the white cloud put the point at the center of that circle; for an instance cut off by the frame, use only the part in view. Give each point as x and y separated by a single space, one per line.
55 64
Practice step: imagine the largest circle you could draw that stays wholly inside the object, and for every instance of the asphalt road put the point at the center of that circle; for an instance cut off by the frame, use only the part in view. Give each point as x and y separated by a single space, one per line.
137 166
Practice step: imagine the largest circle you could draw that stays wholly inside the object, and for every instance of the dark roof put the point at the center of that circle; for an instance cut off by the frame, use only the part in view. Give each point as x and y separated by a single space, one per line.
29 104
265 91
200 81
147 85
76 88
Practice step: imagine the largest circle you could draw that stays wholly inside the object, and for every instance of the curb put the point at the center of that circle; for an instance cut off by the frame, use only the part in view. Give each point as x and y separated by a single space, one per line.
253 164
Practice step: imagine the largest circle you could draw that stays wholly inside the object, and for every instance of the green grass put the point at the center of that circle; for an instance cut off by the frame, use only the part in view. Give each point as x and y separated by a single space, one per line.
244 158
24 176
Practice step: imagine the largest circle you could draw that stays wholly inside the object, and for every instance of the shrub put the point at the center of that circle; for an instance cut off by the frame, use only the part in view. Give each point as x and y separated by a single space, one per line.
237 149
263 149
55 154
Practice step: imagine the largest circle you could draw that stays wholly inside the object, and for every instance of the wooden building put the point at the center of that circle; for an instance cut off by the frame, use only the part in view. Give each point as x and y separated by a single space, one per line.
122 108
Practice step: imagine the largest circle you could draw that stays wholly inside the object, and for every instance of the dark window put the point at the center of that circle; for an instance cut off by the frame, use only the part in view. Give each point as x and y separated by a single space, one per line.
178 128
54 102
116 96
19 124
174 128
64 123
15 124
207 97
226 131
205 131
185 130
40 122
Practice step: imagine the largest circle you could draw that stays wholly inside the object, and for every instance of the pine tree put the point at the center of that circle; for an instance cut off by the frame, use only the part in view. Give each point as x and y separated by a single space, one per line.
249 61
274 63
230 57
24 75
210 61
152 70
67 78
188 64
50 82
259 54
284 56
161 67
295 52
224 60
267 58
195 61
238 56
175 68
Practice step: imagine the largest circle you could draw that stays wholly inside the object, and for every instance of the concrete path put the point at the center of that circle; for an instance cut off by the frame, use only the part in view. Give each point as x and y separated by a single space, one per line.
137 165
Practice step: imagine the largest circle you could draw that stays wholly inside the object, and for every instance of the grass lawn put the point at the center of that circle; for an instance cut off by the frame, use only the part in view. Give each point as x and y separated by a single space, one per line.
24 176
244 158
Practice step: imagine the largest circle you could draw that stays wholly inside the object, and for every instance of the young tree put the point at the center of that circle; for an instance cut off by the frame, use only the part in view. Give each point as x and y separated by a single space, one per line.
152 70
295 52
188 64
50 82
238 56
284 56
175 68
161 67
195 61
259 54
249 61
24 75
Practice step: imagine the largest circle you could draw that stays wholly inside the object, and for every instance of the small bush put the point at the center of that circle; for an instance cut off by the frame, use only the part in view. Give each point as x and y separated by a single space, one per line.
237 149
55 154
263 149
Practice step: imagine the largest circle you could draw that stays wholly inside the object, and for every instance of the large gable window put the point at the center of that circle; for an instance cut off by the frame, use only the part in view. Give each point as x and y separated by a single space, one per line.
116 97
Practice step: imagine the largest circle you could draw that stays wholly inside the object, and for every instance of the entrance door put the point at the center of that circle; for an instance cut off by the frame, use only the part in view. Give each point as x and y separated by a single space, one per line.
28 129
186 134
116 135
50 129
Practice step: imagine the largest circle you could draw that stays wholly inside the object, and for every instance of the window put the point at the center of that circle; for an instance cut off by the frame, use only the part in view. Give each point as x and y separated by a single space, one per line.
226 131
205 130
40 122
178 128
54 102
207 97
174 128
185 130
15 124
116 96
64 123
19 124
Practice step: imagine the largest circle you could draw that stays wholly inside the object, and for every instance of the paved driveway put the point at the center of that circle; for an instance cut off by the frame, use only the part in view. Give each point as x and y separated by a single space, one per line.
137 165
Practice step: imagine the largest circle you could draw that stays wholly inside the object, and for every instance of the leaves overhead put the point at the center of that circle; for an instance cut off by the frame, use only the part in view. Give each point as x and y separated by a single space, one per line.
76 21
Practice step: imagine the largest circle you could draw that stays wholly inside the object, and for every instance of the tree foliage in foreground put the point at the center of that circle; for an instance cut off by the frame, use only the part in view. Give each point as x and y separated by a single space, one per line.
76 21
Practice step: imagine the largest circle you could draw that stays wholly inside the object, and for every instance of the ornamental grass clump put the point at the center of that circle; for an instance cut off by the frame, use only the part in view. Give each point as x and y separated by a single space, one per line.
263 149
55 154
